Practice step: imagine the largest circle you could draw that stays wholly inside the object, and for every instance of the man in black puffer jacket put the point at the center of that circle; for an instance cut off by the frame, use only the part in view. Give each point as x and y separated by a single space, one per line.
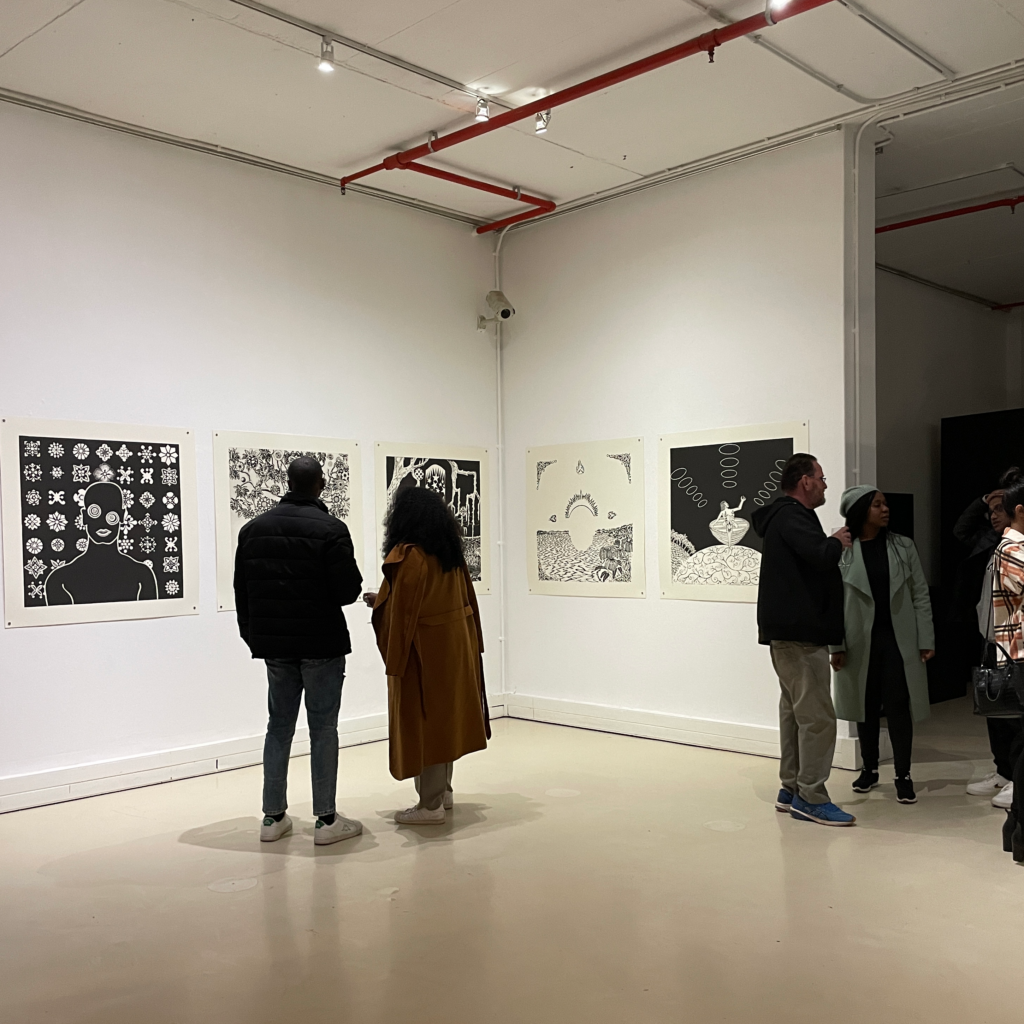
799 613
294 569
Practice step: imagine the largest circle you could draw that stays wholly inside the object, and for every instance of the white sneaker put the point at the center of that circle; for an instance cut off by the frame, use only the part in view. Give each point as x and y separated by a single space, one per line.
988 786
343 828
1004 798
420 816
449 800
271 831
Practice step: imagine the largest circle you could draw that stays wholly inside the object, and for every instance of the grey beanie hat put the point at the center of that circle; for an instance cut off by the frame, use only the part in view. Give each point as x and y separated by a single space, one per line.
852 495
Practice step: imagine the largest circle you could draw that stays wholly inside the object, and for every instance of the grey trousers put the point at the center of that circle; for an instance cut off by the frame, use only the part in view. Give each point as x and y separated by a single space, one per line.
807 719
432 784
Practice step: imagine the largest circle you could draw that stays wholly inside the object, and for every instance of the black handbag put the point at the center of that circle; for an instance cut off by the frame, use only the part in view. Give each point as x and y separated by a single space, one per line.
998 689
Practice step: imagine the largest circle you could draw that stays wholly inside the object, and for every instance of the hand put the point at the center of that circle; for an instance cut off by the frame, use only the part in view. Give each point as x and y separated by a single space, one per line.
370 598
843 536
838 660
927 655
994 499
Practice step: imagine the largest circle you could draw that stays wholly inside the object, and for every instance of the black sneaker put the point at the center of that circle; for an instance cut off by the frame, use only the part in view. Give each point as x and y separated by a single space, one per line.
905 790
866 782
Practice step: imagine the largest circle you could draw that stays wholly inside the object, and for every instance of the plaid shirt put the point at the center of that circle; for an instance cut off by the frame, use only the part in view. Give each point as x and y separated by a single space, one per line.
1008 594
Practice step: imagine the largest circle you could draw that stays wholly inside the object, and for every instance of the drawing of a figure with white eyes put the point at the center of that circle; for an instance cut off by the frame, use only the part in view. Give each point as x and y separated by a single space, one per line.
101 573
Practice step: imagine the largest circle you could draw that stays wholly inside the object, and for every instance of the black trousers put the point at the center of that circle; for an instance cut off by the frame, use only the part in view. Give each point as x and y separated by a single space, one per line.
886 696
1002 734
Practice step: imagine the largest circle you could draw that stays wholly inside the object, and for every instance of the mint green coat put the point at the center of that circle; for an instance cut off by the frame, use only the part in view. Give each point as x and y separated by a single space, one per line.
911 620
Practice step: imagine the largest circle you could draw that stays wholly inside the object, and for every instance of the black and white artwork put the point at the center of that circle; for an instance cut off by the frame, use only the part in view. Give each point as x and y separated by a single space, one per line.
585 519
460 476
94 520
712 482
251 477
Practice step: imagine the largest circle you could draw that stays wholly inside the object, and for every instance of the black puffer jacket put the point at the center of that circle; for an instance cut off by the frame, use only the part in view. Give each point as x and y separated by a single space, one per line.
800 596
294 569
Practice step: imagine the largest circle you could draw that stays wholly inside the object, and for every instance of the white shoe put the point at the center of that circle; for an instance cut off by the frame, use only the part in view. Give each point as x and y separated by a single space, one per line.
1004 798
420 816
343 828
271 831
449 800
988 786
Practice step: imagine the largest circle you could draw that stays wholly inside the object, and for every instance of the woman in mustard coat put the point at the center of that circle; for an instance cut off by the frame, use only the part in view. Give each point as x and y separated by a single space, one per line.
428 631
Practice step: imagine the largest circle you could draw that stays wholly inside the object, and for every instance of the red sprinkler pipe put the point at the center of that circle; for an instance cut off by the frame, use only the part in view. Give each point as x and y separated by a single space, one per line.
706 43
961 212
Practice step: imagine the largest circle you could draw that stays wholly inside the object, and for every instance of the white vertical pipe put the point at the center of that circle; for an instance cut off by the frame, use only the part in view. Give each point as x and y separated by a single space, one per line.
500 468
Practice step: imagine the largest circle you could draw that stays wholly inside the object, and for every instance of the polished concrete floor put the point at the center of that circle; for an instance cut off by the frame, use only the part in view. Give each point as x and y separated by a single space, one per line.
582 878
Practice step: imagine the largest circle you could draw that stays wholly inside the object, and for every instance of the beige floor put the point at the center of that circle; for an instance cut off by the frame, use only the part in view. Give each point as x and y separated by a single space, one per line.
583 877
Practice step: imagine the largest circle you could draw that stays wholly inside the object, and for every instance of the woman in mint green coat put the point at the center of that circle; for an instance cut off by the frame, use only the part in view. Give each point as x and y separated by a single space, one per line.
880 668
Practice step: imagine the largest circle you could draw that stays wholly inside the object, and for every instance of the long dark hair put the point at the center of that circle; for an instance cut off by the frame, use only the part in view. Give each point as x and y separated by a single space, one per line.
857 516
421 516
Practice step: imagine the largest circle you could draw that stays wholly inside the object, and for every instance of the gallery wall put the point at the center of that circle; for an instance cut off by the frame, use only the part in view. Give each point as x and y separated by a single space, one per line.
144 284
711 302
962 358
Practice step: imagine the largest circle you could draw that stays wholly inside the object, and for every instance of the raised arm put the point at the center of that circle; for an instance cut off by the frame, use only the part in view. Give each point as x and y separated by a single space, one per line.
809 543
973 521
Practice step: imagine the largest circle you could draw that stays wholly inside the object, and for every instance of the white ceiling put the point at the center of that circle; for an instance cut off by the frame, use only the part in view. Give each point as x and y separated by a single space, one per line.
218 72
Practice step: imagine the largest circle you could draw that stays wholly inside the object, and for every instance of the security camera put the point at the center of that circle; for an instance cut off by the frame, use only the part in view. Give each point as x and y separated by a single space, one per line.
501 308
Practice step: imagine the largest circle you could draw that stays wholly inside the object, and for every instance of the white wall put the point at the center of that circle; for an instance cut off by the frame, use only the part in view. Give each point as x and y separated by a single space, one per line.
937 355
717 300
144 284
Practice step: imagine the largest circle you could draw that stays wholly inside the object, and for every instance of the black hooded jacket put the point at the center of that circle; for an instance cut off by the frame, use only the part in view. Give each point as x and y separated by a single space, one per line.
294 569
800 596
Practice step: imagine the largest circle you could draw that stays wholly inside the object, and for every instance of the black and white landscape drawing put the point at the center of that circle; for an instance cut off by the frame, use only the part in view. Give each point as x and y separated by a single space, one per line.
585 518
712 490
458 481
251 477
99 521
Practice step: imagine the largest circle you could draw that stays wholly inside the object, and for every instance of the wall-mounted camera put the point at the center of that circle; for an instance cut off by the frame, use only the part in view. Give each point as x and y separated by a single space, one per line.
501 308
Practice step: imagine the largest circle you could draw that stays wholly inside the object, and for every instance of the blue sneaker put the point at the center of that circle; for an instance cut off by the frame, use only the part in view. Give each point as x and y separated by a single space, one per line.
823 814
784 800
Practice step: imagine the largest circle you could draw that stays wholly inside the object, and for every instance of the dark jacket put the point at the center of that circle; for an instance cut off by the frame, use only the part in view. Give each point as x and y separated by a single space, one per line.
800 594
975 531
294 569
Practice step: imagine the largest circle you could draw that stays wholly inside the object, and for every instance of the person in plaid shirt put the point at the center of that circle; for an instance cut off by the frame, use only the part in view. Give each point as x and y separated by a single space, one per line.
1008 629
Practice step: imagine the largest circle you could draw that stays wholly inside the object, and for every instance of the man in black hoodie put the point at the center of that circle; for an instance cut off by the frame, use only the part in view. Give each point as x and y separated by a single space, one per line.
799 613
294 569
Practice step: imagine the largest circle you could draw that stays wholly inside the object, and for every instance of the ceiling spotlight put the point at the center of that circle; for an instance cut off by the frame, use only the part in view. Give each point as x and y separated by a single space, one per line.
483 109
326 55
543 120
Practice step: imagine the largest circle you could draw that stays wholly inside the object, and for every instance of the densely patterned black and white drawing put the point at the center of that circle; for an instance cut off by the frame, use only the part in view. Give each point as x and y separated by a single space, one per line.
99 521
709 492
585 519
251 477
457 481
459 475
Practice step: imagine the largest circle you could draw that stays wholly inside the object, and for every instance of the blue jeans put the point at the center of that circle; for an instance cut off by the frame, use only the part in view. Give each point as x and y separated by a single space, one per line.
321 678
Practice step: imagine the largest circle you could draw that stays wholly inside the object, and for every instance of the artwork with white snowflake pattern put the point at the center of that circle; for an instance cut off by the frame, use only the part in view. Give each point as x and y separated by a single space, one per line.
80 544
711 484
585 519
459 475
251 477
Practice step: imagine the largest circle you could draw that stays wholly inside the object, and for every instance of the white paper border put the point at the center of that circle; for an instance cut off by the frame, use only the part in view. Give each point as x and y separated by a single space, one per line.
383 449
15 612
225 439
796 429
638 582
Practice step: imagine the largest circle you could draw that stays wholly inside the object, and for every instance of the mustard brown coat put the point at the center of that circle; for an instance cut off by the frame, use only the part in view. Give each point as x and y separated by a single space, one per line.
428 632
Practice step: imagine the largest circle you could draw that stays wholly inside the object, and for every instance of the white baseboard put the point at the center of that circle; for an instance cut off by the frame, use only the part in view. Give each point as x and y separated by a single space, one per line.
18 792
656 725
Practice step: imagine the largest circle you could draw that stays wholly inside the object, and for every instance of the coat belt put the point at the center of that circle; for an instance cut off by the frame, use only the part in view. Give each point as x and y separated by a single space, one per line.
445 617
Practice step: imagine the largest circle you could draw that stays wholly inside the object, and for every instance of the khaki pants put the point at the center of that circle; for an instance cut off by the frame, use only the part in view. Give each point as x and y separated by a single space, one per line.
432 784
807 719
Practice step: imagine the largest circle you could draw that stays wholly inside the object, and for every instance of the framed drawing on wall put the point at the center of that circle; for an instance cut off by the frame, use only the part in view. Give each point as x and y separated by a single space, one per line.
250 475
99 522
585 519
709 484
460 475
